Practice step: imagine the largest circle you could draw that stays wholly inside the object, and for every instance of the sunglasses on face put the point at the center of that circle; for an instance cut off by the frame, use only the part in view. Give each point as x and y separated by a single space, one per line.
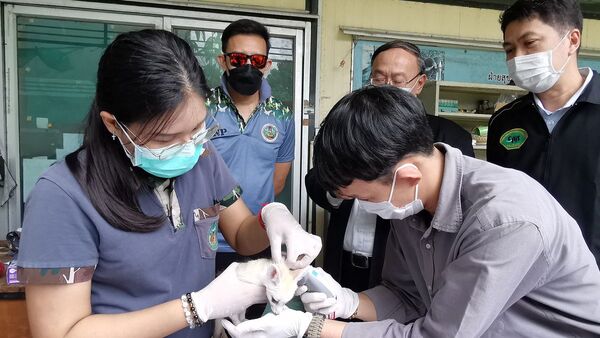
239 59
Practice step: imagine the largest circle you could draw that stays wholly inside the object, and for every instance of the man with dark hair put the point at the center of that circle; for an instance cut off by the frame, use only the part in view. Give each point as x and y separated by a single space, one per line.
552 133
355 240
256 131
475 250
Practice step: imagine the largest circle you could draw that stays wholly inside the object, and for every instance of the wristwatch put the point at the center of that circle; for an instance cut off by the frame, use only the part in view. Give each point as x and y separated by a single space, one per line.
315 326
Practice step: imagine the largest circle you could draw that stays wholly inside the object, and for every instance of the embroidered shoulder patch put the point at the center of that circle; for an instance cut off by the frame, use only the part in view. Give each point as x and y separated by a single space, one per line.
269 132
513 139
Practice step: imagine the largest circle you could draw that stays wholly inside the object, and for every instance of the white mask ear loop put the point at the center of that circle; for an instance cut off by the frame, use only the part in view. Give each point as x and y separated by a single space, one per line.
552 56
394 181
129 154
416 191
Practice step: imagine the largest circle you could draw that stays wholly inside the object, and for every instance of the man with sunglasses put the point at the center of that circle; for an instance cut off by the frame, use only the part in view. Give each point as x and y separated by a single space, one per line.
356 240
256 131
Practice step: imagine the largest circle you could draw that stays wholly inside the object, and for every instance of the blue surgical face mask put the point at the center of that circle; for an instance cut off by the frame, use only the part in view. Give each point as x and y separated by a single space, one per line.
171 161
387 210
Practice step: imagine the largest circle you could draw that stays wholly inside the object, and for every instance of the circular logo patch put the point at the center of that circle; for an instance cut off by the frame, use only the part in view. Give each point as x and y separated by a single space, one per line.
513 139
269 132
212 236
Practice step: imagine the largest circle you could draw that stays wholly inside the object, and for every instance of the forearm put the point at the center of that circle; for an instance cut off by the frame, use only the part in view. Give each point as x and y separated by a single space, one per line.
366 308
157 321
332 329
251 238
280 176
366 312
278 187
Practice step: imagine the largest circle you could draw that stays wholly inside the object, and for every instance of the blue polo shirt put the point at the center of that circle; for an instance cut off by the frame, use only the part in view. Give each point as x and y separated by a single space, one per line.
251 148
65 240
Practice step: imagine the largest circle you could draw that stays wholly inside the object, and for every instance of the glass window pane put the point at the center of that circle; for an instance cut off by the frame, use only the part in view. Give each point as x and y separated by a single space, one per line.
57 63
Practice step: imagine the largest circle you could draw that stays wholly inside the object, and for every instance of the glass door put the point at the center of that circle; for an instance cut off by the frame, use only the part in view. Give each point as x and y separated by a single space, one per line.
51 62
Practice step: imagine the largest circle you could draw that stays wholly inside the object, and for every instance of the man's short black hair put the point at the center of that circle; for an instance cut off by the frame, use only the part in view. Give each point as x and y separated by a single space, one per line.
247 27
562 15
407 46
367 133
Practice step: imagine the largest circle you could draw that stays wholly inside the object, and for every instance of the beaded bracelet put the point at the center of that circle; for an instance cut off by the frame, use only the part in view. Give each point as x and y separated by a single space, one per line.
189 310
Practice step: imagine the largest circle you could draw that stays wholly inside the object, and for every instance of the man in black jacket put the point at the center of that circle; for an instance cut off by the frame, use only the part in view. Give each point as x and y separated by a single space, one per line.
355 240
552 133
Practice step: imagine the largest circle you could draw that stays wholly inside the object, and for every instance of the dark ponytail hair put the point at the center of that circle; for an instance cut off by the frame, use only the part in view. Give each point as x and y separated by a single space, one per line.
143 77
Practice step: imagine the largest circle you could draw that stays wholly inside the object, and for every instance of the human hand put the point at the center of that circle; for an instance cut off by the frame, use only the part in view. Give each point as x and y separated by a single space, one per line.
342 305
227 295
289 323
282 228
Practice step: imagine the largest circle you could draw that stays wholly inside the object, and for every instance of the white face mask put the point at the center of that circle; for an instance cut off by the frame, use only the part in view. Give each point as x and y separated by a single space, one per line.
535 72
387 210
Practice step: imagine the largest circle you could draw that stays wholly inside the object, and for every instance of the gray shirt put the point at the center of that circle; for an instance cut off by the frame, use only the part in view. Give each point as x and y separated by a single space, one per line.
500 258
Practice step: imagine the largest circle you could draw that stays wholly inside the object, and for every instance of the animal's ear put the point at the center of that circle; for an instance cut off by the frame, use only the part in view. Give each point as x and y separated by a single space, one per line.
299 273
273 274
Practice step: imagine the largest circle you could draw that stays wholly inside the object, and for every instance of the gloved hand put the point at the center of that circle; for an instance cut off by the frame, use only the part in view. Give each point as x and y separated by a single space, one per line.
282 228
227 295
289 323
342 305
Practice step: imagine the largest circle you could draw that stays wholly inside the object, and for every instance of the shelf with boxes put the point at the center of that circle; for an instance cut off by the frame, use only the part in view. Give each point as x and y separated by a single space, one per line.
468 104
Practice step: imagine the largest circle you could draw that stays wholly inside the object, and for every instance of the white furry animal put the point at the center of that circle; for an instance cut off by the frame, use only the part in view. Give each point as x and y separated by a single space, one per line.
279 281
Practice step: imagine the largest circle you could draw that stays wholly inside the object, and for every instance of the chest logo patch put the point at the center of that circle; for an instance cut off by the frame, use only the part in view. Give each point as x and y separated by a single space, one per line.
212 236
269 132
514 138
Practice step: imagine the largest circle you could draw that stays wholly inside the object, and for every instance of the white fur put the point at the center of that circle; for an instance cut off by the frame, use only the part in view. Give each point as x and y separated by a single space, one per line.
279 281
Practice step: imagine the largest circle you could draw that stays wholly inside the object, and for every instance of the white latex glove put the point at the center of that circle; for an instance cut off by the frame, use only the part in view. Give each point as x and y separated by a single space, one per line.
289 323
226 295
343 305
282 228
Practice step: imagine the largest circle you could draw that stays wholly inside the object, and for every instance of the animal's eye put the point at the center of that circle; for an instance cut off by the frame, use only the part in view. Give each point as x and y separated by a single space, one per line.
274 301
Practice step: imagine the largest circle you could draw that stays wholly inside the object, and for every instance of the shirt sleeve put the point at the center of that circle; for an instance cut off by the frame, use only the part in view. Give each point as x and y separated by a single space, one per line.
286 151
59 242
227 189
494 271
397 298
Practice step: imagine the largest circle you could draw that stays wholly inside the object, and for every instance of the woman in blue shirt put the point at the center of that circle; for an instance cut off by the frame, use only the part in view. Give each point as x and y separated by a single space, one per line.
117 237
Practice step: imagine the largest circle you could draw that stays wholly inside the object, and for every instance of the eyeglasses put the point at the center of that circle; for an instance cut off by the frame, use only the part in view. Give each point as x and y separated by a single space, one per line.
201 137
382 80
239 59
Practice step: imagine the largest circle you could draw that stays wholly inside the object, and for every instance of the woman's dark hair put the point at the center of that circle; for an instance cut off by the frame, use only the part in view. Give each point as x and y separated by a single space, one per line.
562 15
246 27
143 77
367 133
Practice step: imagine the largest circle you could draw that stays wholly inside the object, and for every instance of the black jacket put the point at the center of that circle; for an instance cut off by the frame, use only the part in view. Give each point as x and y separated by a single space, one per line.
451 133
566 162
443 131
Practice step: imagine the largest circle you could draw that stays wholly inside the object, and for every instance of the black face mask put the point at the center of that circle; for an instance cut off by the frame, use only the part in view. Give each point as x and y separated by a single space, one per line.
245 80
